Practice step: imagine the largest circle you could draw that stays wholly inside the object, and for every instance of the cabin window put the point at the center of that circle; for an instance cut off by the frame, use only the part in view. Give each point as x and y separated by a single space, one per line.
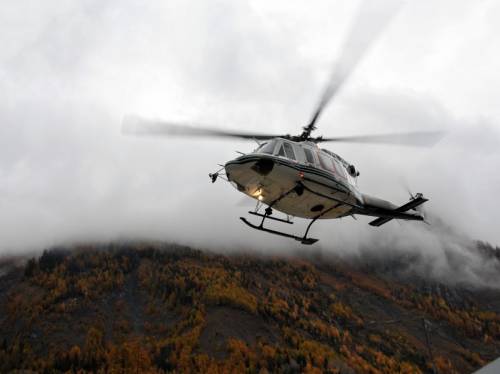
309 155
340 169
326 162
289 151
268 147
281 152
335 167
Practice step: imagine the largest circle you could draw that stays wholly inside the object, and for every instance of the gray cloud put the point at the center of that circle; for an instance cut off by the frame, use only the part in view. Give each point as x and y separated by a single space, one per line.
69 72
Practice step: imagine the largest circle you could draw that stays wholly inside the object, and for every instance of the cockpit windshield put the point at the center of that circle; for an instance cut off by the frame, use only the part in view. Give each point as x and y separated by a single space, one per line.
286 150
267 147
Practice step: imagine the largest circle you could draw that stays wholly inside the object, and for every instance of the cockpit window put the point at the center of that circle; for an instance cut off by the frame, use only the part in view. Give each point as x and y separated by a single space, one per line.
309 155
260 147
267 147
289 151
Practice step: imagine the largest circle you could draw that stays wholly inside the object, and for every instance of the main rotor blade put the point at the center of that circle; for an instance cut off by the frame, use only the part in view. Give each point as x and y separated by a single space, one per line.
415 139
134 125
372 17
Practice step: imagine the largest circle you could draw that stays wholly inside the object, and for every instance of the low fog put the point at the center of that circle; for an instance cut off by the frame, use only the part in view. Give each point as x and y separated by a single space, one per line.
70 71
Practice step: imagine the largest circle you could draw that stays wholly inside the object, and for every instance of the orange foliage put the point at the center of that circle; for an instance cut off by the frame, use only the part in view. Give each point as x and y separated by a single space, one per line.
160 301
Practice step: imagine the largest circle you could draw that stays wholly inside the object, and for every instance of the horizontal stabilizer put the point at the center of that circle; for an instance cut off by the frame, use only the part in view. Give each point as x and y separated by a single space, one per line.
419 199
380 221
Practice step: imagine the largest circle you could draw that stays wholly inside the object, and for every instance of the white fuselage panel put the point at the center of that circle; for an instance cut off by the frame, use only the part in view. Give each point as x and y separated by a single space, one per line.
330 195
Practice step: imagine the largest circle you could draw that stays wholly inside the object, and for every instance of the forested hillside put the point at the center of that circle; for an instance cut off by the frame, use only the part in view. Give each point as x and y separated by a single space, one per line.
156 307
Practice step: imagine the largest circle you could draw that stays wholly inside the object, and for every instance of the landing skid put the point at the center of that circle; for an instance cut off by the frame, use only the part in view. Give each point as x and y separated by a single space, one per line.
298 189
303 240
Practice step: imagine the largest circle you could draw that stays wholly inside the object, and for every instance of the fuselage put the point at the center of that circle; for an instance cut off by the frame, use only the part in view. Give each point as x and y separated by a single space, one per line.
278 165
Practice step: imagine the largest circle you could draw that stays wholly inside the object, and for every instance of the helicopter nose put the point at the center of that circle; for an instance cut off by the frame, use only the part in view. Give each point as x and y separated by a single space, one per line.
263 166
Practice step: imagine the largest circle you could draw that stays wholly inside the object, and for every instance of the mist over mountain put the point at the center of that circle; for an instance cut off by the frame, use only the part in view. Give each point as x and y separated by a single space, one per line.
438 252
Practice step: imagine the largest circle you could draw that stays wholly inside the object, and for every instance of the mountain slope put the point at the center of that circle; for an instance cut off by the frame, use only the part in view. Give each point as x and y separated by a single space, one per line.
158 307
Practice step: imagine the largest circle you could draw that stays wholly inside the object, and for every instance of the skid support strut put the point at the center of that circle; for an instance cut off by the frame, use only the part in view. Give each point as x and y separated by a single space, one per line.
318 216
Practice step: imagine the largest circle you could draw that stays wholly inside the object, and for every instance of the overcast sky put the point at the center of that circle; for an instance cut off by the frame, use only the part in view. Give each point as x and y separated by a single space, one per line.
70 70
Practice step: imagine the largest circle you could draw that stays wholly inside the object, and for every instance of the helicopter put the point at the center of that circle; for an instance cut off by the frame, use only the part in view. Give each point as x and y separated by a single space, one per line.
291 173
